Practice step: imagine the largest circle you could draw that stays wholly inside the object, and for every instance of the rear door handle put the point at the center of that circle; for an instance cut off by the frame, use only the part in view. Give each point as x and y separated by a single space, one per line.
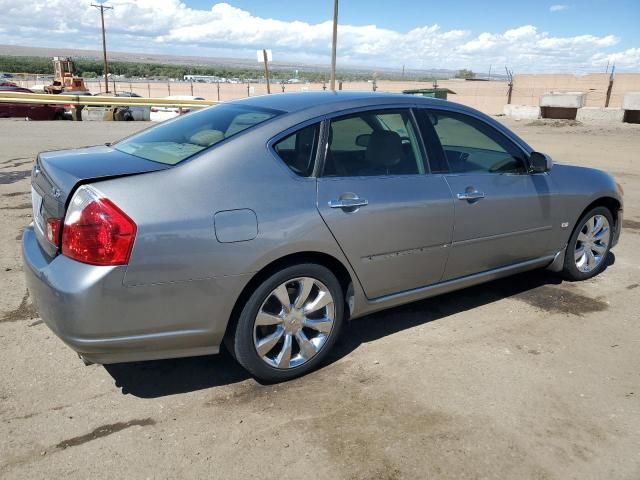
471 195
348 203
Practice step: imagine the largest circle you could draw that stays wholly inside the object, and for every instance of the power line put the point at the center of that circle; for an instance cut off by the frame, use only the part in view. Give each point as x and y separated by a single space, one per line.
102 8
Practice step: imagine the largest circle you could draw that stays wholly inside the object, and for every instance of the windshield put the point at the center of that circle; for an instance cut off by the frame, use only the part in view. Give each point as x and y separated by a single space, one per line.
174 141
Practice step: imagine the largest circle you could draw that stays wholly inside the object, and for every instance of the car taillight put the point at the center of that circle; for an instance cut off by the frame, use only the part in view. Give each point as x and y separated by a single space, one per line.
154 109
96 231
53 231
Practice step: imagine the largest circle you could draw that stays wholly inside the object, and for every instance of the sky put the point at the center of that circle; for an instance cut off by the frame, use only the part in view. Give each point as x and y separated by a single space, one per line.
572 36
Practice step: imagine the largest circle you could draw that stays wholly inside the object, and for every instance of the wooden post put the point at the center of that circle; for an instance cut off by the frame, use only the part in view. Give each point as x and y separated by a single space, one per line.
169 87
610 87
510 91
149 89
266 69
192 88
218 91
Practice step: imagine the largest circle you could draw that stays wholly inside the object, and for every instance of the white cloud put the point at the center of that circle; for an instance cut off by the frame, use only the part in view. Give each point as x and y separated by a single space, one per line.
169 26
558 8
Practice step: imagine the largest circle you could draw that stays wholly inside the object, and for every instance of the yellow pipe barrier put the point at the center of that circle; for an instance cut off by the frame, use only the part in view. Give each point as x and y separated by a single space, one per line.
55 99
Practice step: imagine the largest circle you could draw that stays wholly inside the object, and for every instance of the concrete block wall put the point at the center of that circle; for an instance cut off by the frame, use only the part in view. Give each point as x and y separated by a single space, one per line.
622 84
528 88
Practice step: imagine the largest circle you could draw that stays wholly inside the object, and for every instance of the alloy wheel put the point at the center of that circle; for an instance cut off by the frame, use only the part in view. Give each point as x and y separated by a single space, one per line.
294 323
592 243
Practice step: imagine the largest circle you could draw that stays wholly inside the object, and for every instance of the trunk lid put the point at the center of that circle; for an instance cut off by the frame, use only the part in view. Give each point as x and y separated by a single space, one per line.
56 174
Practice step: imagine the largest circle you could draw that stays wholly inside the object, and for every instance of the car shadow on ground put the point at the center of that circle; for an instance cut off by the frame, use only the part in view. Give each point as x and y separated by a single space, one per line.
169 377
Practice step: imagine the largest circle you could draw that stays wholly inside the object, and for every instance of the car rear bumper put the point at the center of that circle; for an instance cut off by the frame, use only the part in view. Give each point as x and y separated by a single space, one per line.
91 310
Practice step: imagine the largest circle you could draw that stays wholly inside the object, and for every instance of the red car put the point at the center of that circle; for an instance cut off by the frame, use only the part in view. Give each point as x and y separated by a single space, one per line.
28 110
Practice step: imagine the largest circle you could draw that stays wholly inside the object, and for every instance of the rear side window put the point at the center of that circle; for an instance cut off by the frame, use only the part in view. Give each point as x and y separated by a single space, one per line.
373 143
298 150
176 140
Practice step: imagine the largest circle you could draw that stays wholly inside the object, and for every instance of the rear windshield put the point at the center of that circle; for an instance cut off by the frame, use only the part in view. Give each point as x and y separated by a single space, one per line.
176 140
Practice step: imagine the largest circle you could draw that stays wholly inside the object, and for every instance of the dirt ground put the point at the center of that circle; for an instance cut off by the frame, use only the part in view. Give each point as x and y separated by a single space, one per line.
528 377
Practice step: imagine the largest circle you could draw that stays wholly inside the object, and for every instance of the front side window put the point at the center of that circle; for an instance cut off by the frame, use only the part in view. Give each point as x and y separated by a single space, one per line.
298 150
174 141
472 146
373 143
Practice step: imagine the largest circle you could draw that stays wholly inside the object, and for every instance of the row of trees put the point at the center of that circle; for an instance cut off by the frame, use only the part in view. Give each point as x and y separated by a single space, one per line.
89 68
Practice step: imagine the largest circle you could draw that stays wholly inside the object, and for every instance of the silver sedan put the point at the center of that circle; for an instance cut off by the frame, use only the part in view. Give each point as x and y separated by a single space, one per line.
263 224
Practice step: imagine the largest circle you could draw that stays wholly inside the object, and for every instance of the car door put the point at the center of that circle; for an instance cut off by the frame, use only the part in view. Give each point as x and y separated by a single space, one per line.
392 219
502 212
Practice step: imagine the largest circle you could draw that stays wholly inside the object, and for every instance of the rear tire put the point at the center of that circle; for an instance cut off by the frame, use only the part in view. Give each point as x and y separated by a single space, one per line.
289 323
589 245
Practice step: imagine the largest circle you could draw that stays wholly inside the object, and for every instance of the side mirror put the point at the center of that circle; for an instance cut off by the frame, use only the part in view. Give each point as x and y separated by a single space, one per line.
362 140
539 162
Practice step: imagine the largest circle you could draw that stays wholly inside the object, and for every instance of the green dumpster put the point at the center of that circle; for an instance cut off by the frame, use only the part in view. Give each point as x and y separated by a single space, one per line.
430 92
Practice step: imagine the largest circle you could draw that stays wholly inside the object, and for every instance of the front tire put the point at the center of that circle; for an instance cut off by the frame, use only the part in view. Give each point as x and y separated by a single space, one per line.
589 245
289 323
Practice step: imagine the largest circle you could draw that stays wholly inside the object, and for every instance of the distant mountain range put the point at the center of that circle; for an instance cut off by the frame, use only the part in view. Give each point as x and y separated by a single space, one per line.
17 50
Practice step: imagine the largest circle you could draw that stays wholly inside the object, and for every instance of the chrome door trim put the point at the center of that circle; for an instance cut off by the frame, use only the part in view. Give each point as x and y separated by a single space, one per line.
503 235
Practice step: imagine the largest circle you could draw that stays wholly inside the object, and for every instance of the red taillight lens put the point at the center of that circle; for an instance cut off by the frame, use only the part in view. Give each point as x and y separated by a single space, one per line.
96 231
53 231
154 109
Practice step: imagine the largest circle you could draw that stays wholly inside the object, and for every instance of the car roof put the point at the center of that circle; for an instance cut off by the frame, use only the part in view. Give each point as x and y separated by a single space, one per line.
302 106
183 97
9 88
295 102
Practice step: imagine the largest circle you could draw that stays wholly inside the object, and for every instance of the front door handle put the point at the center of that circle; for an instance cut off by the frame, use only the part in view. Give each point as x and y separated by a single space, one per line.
348 203
475 195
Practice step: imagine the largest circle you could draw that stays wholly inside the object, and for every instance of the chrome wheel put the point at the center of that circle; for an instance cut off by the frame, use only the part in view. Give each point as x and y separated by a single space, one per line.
294 323
592 243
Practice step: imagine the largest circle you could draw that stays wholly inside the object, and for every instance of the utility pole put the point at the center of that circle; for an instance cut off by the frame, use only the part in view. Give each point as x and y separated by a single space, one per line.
266 70
102 8
334 45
